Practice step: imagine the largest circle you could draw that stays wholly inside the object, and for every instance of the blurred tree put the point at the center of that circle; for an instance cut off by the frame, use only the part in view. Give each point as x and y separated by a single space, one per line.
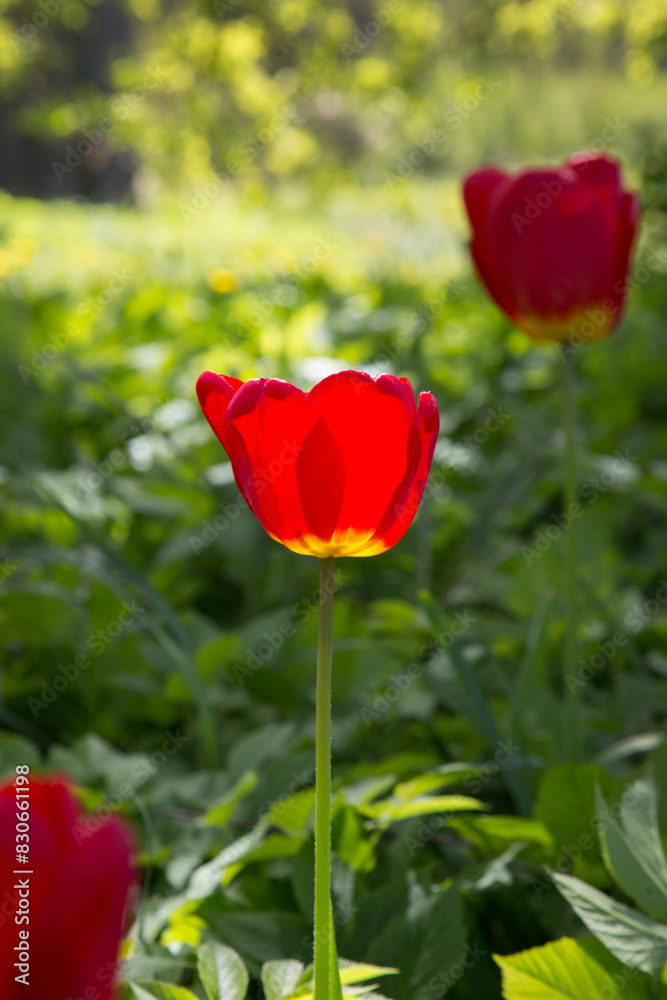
95 90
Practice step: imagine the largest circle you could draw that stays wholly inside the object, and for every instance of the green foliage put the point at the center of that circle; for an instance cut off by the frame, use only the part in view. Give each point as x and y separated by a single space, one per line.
627 940
160 649
637 940
223 974
632 849
575 970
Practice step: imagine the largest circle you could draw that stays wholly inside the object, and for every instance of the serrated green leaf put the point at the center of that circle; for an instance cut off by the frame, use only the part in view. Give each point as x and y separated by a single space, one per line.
390 811
161 991
451 774
257 936
276 845
350 841
424 942
222 972
185 928
351 973
281 977
293 813
221 811
566 804
367 789
349 993
360 972
632 851
496 872
207 878
492 835
634 939
566 970
138 966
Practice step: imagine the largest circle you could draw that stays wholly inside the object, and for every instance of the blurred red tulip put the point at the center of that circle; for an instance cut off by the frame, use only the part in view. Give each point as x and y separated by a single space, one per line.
63 914
338 471
553 246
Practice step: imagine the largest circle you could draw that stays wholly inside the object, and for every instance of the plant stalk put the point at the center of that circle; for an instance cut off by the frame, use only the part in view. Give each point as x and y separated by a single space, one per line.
322 930
571 734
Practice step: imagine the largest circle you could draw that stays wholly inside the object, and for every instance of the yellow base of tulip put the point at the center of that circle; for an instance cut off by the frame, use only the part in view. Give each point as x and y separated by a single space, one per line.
583 327
342 543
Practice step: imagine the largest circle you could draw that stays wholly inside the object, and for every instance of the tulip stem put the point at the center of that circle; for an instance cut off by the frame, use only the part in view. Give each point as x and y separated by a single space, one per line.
571 735
322 931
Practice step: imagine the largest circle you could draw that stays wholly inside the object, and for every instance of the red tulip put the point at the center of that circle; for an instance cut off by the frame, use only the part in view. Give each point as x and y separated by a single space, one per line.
338 471
553 246
73 891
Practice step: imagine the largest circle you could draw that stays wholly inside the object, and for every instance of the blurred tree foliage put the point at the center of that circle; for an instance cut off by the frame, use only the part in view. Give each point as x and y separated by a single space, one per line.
179 91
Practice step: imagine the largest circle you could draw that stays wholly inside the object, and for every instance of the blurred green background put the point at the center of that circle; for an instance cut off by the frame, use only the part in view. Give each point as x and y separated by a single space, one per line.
273 188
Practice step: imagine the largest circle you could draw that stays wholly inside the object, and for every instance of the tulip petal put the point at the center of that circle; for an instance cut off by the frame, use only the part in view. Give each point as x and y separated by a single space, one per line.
600 175
627 230
215 393
321 480
371 420
480 192
561 261
84 864
266 425
101 870
403 505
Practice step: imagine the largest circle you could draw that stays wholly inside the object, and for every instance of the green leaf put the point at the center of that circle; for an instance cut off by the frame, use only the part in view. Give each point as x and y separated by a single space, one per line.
293 813
350 841
277 845
281 977
185 928
221 811
138 966
390 811
359 972
566 804
222 972
349 993
450 774
492 835
163 991
257 936
632 851
348 975
496 872
636 940
208 877
629 746
567 970
335 986
478 707
531 670
367 789
424 942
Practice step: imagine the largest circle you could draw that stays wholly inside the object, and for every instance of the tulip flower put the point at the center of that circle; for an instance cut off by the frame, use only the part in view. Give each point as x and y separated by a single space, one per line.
553 246
64 903
337 471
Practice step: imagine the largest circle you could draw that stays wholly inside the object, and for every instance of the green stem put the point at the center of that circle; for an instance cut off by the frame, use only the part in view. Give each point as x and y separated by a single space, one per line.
571 735
323 782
